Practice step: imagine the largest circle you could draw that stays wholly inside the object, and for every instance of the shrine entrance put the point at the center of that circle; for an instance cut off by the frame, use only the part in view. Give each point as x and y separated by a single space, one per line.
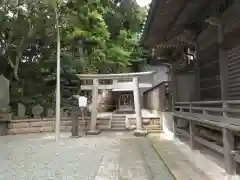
125 102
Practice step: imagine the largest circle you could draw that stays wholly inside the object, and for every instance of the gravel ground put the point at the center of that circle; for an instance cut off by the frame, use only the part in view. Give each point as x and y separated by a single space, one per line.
109 156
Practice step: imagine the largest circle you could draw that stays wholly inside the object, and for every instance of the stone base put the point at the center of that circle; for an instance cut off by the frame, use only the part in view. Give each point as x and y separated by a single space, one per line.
3 127
141 132
95 132
75 136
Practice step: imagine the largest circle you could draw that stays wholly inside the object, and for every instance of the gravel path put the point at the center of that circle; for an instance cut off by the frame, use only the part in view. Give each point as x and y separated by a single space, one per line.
109 156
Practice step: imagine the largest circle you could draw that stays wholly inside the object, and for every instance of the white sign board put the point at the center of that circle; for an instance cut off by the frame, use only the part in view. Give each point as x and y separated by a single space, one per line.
82 101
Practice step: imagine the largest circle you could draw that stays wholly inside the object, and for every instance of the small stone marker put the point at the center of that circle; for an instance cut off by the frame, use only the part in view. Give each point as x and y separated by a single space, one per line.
50 112
61 112
4 92
64 113
37 111
21 110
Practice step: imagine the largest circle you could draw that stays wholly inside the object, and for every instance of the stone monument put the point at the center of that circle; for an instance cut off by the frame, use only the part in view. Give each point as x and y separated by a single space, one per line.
4 92
4 98
21 112
64 113
50 112
4 102
37 111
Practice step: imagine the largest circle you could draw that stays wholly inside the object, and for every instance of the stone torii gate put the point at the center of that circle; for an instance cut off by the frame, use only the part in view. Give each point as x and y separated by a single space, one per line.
134 86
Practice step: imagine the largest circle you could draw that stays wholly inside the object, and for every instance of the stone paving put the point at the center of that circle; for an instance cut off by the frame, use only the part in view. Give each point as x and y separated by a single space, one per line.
109 156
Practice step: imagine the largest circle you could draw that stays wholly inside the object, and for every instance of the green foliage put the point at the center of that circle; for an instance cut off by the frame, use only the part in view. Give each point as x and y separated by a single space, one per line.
96 36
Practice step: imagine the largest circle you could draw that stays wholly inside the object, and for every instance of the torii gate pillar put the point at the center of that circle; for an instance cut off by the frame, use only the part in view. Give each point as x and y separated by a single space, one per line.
94 110
137 106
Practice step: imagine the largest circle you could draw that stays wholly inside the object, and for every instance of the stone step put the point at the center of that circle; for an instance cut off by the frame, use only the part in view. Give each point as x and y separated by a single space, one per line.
154 131
123 115
118 122
118 125
119 118
116 129
153 127
113 121
121 126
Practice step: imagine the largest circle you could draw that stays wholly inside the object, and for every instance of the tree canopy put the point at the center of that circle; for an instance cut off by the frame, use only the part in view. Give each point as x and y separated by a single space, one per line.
97 36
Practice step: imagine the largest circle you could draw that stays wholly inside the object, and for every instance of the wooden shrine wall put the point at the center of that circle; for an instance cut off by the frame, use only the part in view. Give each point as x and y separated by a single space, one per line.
209 73
233 61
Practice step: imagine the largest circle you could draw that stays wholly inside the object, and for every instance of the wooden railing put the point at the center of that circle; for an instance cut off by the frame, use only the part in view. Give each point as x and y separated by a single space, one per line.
219 113
220 116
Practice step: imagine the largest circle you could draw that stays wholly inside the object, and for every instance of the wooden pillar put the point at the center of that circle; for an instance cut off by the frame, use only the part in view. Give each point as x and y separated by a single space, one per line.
174 86
228 136
174 97
94 110
74 116
223 73
197 74
192 130
175 133
228 146
138 112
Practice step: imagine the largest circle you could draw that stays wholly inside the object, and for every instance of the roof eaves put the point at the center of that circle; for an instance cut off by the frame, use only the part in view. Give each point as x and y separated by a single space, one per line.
153 7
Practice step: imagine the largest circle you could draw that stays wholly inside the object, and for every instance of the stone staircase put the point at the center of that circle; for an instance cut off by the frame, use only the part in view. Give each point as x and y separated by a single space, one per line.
153 128
118 122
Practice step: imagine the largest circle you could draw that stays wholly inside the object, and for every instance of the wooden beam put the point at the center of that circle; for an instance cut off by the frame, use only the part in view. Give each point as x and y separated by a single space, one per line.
231 110
182 132
204 120
228 146
215 118
210 145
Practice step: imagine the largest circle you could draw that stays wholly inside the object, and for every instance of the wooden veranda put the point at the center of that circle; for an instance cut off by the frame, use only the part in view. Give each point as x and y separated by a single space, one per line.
200 40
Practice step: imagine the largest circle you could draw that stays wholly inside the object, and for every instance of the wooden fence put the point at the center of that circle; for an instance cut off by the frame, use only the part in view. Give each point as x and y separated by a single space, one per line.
223 117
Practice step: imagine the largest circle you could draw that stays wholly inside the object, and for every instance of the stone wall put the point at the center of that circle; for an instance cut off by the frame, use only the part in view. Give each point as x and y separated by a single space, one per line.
3 127
26 126
48 125
148 123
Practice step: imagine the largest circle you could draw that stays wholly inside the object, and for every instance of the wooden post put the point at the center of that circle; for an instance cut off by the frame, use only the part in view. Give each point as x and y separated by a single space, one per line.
94 110
174 87
175 134
192 130
228 146
74 116
228 137
224 106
